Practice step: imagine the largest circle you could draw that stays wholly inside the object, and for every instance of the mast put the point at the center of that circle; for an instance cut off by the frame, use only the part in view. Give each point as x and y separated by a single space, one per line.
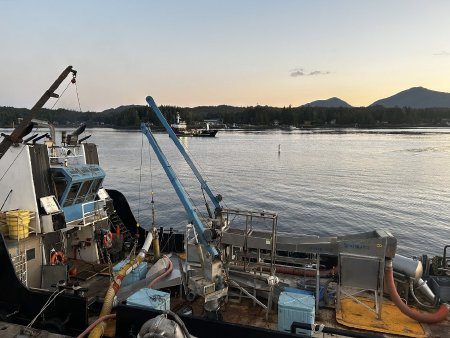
22 129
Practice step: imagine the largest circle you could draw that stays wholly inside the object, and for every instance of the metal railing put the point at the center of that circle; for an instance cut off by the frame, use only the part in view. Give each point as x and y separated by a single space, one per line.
20 265
95 214
58 155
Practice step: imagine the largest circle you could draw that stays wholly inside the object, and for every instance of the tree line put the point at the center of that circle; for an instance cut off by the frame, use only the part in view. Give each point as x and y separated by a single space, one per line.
258 116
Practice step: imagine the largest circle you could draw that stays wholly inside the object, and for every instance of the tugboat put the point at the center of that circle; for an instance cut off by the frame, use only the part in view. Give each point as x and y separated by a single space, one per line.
180 129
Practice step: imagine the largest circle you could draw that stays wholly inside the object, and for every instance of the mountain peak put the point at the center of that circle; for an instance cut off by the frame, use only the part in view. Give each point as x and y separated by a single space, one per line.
416 97
333 102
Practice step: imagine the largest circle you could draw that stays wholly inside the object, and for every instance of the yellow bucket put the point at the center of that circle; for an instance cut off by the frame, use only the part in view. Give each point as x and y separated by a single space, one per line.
3 226
18 222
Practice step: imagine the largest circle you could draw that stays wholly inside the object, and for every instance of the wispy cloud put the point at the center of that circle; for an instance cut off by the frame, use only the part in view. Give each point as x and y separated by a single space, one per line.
442 53
301 72
318 72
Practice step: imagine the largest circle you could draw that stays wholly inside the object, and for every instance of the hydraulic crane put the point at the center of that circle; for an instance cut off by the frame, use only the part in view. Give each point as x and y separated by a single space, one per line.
26 125
209 284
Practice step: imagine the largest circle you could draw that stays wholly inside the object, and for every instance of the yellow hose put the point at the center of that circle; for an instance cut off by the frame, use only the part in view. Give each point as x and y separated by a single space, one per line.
155 243
97 332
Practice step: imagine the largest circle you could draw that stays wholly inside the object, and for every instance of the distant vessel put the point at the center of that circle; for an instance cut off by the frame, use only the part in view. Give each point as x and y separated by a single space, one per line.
180 129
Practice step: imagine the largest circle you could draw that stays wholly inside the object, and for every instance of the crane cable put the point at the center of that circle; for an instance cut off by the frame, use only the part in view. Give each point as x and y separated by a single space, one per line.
140 180
151 182
72 81
76 89
203 171
151 188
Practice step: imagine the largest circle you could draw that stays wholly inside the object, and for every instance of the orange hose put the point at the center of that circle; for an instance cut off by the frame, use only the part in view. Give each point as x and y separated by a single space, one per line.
422 317
94 324
169 270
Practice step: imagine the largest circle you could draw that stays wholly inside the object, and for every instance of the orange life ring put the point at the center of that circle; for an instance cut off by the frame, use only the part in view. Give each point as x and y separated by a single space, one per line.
56 257
107 239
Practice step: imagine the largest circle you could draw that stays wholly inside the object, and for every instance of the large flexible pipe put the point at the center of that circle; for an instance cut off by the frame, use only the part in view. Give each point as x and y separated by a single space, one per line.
168 271
422 317
97 332
94 324
156 251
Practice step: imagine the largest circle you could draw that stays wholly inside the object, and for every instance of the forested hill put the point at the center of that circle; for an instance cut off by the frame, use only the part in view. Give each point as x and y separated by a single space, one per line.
331 102
416 97
259 116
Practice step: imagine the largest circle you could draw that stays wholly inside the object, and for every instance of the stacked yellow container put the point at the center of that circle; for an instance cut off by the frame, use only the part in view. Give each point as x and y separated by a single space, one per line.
3 226
18 222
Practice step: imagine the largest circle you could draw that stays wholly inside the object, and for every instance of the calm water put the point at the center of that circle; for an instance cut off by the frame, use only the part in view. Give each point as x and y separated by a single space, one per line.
320 183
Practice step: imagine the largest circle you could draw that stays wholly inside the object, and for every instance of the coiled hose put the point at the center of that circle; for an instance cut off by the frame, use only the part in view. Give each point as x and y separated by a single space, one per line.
422 317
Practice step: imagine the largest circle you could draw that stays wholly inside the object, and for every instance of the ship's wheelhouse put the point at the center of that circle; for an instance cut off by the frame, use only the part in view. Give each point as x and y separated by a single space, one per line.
76 188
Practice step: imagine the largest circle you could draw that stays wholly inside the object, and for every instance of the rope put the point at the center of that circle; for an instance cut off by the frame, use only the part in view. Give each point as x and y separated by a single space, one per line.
140 179
204 174
78 98
47 303
61 95
6 171
151 187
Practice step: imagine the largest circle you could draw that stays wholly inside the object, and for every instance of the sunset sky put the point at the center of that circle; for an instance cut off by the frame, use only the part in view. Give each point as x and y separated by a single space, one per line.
242 53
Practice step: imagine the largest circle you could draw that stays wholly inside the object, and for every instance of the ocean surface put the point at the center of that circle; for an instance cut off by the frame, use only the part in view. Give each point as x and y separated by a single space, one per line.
321 182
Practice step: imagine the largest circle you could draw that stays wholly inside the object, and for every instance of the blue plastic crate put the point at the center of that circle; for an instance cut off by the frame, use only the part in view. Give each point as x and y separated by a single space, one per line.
150 298
307 292
135 275
295 307
299 291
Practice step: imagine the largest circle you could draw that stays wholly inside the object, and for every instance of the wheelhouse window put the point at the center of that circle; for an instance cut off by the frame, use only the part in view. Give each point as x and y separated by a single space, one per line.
83 192
94 188
73 192
60 184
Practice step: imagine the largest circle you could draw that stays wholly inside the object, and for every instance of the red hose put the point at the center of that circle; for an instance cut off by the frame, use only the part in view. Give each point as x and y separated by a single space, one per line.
94 324
422 317
294 270
298 271
169 270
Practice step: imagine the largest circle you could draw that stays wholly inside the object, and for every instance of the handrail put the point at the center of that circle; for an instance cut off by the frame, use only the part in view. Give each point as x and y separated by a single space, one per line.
94 212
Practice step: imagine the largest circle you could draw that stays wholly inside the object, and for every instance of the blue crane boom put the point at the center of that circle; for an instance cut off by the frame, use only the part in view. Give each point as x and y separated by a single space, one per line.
204 185
179 189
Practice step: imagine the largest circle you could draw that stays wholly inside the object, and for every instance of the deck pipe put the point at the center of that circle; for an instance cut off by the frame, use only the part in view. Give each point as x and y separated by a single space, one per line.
294 270
422 317
97 332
